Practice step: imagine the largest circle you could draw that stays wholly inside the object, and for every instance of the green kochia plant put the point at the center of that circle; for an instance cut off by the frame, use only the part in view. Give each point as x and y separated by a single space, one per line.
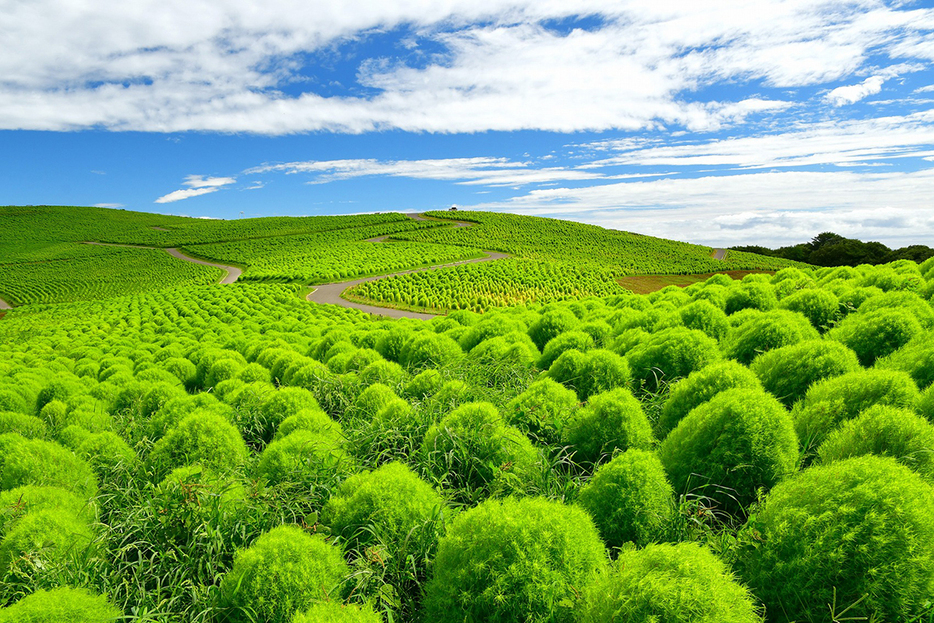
202 437
767 331
334 612
851 539
681 583
613 420
472 449
513 561
285 571
670 354
884 431
701 386
38 462
543 409
629 498
729 448
789 371
876 333
592 372
831 401
61 605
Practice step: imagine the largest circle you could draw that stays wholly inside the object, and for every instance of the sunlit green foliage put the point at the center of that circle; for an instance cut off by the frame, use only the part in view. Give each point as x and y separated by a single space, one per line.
789 371
612 420
513 561
851 537
61 605
700 387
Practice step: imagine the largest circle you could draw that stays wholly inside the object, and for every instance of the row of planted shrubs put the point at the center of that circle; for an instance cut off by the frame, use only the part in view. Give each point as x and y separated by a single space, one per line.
602 430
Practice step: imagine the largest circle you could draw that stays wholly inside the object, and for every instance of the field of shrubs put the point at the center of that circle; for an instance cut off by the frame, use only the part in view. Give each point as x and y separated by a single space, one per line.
729 452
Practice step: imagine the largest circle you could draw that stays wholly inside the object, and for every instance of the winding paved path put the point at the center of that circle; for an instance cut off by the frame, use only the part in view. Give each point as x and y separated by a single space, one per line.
330 293
719 254
233 273
5 305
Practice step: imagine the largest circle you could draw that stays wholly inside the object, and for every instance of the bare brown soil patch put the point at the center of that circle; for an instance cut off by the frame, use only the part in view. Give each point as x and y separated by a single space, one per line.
646 284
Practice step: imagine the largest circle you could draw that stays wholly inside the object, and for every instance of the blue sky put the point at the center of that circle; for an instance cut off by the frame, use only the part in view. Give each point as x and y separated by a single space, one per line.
721 123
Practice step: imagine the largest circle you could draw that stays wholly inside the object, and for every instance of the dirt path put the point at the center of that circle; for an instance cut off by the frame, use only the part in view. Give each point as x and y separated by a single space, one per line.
330 293
5 305
719 254
233 273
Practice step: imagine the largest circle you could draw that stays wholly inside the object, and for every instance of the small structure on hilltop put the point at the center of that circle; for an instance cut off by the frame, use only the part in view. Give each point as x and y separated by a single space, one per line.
452 208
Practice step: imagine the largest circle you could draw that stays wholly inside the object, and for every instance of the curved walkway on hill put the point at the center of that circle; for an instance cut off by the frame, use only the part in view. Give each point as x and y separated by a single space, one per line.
5 305
233 273
719 254
330 293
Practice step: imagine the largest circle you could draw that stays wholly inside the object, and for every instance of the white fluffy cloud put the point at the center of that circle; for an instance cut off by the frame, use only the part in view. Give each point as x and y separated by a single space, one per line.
197 185
855 92
235 66
768 208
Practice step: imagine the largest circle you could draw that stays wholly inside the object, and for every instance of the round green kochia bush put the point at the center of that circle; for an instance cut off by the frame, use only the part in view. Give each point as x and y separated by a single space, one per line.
699 387
629 498
819 306
43 541
28 426
513 561
499 357
490 326
472 448
61 605
592 372
789 371
552 324
924 404
382 371
741 441
283 572
671 354
284 403
314 420
304 457
204 438
765 332
903 300
16 503
424 384
613 420
856 533
37 462
382 506
334 612
877 333
577 340
680 583
106 453
430 350
704 316
542 410
371 400
759 296
916 358
884 431
835 400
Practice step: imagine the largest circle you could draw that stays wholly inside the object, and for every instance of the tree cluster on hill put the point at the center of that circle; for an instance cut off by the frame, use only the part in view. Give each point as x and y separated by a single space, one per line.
830 249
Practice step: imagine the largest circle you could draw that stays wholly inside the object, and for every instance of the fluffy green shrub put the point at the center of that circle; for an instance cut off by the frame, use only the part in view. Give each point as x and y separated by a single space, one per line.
314 420
884 431
382 506
671 354
566 341
425 383
542 410
629 498
16 503
61 605
611 421
552 324
759 296
924 404
37 462
699 387
856 533
730 447
680 583
177 409
372 399
590 373
43 541
204 438
304 457
916 358
765 332
702 315
877 333
497 359
490 326
25 425
430 350
285 571
789 371
106 452
905 301
284 403
334 612
472 448
513 561
819 306
832 401
382 371
55 414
